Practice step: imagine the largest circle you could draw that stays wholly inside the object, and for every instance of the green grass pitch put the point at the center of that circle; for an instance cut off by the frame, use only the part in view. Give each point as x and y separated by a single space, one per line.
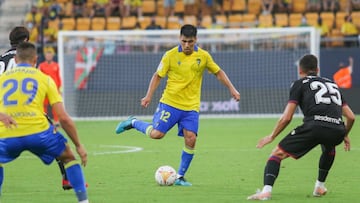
226 168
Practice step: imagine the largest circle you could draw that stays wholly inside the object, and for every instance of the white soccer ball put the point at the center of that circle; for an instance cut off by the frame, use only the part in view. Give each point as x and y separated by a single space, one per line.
165 175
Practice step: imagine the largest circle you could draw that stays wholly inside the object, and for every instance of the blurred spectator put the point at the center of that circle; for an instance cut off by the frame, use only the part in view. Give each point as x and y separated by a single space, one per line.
324 31
353 5
198 23
33 17
79 8
49 33
34 32
133 6
330 5
153 26
116 8
55 10
304 22
284 6
99 8
169 7
350 32
313 6
343 77
267 6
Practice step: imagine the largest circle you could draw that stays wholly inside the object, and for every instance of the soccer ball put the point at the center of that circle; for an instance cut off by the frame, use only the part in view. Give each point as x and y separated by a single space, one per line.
165 175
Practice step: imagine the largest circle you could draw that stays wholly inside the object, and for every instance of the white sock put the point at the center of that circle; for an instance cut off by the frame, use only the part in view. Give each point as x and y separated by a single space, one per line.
267 188
84 201
319 184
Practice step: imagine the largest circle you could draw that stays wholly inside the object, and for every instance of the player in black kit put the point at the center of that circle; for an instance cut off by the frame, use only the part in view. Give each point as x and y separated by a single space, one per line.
323 107
17 35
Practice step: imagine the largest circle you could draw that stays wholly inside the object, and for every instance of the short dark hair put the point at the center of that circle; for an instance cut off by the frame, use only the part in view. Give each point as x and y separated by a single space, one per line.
25 51
188 30
308 63
18 34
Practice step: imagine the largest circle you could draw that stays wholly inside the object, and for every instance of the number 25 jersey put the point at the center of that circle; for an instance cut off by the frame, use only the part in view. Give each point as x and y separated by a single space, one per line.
319 99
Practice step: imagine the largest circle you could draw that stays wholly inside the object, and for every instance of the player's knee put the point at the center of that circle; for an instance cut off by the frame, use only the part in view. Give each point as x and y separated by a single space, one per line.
155 134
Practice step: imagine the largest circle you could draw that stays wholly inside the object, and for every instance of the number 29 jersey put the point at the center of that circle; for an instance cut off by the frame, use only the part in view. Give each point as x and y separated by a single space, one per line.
22 93
319 99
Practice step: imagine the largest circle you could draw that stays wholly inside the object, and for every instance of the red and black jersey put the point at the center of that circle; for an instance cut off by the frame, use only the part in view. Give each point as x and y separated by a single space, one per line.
319 98
7 60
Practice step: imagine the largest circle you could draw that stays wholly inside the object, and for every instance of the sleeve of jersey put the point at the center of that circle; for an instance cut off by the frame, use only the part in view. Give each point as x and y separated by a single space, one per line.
53 94
295 92
164 65
211 65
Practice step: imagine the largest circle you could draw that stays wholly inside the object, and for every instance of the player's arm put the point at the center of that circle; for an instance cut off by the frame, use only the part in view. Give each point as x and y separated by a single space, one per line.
7 120
349 122
153 85
224 79
282 123
69 127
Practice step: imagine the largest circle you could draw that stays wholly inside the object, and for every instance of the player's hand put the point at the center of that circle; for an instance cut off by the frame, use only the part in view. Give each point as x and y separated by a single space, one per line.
82 153
145 102
264 141
347 143
7 120
236 95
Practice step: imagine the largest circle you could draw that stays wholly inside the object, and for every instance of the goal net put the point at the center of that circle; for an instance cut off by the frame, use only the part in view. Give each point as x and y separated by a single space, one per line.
106 73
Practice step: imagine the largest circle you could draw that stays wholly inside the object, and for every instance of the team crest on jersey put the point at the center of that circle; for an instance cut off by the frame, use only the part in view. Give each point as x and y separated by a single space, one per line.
198 61
179 63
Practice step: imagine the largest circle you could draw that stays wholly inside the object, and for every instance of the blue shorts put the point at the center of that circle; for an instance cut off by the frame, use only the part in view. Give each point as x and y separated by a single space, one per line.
47 145
166 117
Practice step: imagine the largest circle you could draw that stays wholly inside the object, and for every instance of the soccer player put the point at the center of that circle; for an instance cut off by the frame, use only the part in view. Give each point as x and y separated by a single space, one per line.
184 66
51 68
7 62
17 35
23 91
323 107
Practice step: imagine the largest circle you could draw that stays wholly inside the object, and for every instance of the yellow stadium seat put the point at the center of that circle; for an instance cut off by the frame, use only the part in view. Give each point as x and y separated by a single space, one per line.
248 20
295 19
235 20
355 15
206 21
282 20
254 6
239 6
148 7
54 23
173 22
221 20
113 23
179 7
128 22
328 18
68 23
299 6
98 23
161 20
68 9
160 8
83 23
265 21
144 22
190 19
312 18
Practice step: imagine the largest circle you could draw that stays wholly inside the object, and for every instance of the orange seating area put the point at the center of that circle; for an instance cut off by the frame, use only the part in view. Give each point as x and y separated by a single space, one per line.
240 14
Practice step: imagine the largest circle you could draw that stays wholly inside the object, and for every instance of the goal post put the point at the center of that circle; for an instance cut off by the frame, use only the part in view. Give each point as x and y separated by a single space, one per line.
106 73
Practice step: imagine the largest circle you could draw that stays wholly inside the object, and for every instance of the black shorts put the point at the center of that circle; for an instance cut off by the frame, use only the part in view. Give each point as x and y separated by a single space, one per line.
307 136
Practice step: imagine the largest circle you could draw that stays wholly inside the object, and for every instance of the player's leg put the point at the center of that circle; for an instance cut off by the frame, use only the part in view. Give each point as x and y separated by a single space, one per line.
188 128
1 177
75 175
65 182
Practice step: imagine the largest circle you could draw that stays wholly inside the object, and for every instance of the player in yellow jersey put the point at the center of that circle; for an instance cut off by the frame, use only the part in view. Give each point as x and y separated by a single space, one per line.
184 66
23 90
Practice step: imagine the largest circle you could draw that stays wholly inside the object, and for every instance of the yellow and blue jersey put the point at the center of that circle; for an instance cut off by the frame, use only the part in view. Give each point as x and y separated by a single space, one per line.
184 77
22 93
